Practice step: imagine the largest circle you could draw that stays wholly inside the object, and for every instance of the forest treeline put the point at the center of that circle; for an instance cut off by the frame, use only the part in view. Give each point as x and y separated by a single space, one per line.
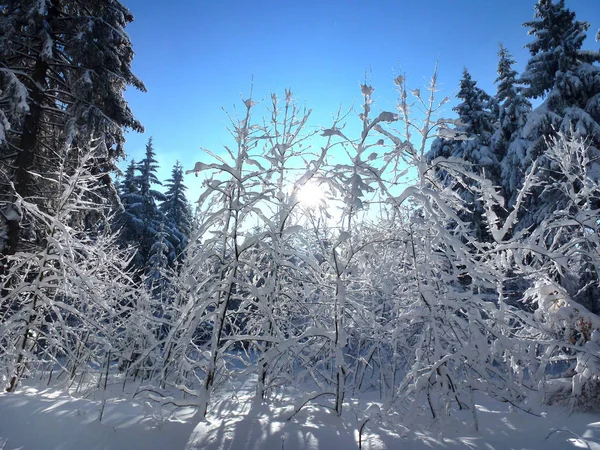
482 274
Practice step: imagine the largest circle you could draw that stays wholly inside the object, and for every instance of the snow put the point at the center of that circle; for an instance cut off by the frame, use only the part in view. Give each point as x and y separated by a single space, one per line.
48 418
38 419
20 94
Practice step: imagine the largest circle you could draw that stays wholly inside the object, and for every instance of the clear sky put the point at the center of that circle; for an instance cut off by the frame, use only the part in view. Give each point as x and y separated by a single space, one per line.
198 56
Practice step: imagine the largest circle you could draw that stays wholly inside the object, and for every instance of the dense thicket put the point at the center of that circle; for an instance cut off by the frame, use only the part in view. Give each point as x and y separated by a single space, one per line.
63 68
328 276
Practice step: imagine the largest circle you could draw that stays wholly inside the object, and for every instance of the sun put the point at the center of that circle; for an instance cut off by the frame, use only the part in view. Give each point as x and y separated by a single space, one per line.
311 195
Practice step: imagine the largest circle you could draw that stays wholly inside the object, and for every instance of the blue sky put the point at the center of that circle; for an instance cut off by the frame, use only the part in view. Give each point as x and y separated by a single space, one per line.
198 56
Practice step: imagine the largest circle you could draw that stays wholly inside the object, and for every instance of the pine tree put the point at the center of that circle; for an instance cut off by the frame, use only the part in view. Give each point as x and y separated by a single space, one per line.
177 214
65 65
513 109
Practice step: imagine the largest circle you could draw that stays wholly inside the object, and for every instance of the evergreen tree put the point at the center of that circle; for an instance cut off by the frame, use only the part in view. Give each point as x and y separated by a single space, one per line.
157 264
513 109
147 168
177 214
128 220
474 111
147 210
556 49
477 126
139 221
565 76
64 67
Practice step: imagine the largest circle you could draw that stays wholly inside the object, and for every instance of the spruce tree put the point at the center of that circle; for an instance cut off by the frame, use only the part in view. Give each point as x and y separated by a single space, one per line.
513 109
128 220
158 261
149 214
567 79
177 214
139 221
556 48
477 126
474 111
65 65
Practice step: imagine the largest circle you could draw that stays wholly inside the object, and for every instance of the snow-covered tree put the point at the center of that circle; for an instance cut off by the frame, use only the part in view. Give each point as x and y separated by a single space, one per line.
139 219
513 109
215 274
556 49
477 122
561 258
150 198
568 80
64 302
64 68
248 284
475 113
177 214
156 267
450 295
127 218
281 266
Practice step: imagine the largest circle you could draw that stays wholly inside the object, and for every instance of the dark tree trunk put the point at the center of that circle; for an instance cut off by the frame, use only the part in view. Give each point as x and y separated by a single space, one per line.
27 156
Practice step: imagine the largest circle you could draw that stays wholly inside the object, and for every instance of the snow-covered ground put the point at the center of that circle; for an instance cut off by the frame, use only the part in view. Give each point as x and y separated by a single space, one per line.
38 418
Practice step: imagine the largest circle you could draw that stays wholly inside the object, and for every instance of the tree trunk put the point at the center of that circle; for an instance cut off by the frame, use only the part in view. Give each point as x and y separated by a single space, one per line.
26 157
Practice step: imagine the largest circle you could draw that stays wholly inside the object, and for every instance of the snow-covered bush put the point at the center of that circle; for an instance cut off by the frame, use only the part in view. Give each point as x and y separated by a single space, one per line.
65 301
561 257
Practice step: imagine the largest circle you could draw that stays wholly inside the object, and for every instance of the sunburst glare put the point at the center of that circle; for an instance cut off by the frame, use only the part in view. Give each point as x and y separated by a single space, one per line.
311 195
